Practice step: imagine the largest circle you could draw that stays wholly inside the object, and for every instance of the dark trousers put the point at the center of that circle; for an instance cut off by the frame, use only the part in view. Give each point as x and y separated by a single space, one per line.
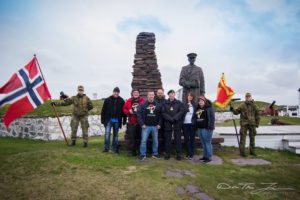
161 138
189 139
134 133
168 141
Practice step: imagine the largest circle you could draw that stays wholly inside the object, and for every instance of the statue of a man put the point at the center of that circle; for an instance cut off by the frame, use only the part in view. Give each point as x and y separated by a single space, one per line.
192 79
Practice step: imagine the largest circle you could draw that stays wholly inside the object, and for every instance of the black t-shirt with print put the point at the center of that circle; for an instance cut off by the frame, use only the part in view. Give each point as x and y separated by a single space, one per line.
201 118
151 115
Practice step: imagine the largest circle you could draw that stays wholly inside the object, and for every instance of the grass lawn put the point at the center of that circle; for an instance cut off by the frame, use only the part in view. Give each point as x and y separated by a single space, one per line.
50 170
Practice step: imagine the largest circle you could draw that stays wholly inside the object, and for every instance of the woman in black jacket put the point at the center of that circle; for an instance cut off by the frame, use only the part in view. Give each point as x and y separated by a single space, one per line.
205 123
189 125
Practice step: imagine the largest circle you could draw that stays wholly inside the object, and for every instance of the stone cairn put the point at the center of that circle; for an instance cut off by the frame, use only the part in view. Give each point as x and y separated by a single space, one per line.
145 69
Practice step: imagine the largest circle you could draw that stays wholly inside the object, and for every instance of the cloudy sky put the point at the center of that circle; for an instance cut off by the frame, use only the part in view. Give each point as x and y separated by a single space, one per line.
255 43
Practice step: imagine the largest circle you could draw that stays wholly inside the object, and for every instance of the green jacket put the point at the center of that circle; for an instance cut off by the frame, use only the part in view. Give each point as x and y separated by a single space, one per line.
249 113
81 104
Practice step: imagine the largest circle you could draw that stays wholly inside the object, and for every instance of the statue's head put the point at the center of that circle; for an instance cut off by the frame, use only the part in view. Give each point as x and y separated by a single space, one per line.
192 58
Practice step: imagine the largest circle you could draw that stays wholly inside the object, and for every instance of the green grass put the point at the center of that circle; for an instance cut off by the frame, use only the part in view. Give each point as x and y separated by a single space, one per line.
260 104
46 110
50 170
264 121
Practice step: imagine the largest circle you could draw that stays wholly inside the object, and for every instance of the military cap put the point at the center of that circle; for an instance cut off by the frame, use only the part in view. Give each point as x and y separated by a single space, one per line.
248 94
171 91
80 88
192 55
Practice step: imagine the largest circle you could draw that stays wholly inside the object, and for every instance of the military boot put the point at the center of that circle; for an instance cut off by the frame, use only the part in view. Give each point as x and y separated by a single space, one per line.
253 154
243 154
73 143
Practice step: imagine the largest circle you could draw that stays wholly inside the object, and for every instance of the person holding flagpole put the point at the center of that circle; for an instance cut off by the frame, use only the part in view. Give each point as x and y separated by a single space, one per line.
249 121
81 106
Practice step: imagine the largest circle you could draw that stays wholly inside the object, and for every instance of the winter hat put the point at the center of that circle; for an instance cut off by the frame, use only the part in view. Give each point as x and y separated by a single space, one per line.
116 89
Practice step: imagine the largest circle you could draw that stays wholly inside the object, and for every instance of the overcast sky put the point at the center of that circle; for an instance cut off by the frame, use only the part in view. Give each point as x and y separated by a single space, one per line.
255 43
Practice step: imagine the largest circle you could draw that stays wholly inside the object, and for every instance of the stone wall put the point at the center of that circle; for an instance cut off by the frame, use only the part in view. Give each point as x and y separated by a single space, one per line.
48 128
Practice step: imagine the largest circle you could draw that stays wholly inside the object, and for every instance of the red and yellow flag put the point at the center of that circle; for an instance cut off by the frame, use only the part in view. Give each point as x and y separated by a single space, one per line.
224 93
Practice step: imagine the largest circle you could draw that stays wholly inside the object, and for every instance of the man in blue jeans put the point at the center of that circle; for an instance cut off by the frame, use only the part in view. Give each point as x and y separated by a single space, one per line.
149 118
112 117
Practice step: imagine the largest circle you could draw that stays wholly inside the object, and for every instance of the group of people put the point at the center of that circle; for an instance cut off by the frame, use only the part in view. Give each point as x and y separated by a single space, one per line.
162 118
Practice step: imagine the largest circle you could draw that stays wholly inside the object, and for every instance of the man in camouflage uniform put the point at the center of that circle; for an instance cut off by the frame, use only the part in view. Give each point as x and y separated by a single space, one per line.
81 105
249 120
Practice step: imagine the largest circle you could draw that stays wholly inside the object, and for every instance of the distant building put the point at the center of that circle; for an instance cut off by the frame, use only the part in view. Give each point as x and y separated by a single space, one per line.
290 111
95 95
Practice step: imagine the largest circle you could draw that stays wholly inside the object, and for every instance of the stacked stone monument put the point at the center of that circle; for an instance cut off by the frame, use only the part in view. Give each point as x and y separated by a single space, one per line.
145 69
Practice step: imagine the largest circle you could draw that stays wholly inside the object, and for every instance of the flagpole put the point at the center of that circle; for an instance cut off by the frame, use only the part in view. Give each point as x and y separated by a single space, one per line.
54 108
236 132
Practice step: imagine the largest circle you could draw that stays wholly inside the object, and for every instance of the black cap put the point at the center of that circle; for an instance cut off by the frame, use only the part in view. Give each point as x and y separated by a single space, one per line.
192 55
171 91
116 89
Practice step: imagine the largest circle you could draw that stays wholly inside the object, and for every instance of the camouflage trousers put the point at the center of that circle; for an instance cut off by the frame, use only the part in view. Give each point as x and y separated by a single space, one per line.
84 123
243 133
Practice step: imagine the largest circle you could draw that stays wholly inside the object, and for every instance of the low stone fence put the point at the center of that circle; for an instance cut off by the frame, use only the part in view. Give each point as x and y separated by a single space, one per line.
48 128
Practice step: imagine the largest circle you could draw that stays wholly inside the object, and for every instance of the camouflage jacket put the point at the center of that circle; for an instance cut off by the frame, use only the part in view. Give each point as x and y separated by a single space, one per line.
81 104
249 113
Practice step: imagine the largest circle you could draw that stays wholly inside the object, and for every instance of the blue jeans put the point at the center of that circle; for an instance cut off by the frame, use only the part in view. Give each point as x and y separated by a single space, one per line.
145 134
206 137
109 126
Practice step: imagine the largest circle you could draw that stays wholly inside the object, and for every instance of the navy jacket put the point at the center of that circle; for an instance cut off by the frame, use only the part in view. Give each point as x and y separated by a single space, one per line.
172 112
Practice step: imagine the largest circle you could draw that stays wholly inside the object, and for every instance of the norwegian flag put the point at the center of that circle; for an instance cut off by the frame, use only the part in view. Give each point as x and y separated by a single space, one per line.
25 91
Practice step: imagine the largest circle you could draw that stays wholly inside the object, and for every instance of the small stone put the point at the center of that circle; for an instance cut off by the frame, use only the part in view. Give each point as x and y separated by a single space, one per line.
174 174
249 161
192 189
180 190
203 196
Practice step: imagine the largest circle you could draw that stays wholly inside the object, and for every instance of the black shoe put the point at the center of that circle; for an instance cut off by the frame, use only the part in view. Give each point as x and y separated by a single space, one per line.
253 154
243 154
73 143
178 157
155 156
85 145
116 152
105 151
167 157
207 160
142 158
203 158
132 153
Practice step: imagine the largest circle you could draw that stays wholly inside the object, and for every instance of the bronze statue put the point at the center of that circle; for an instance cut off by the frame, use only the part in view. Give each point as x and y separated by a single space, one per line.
192 79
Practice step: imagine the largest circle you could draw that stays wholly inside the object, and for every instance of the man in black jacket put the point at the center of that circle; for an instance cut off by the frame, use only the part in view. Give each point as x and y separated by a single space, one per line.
112 117
172 112
149 115
160 99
